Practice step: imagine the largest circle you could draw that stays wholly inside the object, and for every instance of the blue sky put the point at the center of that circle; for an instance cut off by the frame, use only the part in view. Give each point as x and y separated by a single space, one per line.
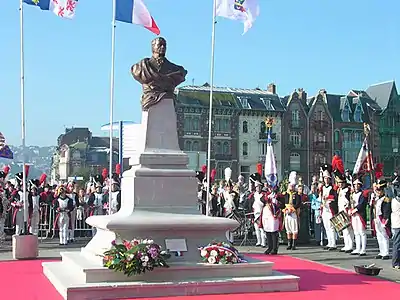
313 44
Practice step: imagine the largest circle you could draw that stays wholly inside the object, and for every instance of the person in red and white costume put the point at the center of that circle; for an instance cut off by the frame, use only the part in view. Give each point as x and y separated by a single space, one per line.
257 198
271 220
358 205
343 195
329 208
381 211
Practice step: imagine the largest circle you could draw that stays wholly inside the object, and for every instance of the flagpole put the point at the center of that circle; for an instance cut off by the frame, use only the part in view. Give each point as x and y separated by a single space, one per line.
113 26
22 95
210 114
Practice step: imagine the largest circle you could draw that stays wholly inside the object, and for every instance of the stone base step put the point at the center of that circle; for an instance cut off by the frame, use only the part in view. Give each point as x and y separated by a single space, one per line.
91 270
73 287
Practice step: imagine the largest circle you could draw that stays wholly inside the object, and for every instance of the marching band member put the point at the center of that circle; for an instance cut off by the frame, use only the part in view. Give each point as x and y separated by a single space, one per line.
271 222
63 205
343 195
292 203
33 208
72 192
258 202
329 209
115 196
358 216
381 211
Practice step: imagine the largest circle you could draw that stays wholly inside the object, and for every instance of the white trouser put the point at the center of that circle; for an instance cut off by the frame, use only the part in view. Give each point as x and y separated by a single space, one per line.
348 238
260 235
382 237
19 222
291 223
330 231
63 223
71 232
34 228
360 234
229 236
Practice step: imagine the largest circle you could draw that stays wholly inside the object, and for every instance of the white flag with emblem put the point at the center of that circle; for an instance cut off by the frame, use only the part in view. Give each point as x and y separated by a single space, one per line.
245 11
364 161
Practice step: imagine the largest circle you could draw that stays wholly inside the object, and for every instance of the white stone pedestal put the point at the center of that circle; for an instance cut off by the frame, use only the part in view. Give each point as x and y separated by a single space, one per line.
159 201
25 246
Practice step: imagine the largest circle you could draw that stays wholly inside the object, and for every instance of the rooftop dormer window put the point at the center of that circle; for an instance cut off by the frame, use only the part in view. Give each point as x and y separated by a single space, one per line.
358 114
346 113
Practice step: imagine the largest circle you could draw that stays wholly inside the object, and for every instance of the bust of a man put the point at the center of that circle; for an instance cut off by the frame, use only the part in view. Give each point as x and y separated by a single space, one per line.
158 76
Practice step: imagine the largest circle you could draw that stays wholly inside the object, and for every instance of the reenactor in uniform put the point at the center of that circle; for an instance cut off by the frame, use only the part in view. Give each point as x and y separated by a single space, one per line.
292 203
358 205
329 209
380 218
343 195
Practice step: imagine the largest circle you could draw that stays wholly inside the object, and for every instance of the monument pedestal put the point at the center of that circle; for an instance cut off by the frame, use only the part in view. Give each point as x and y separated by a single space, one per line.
159 202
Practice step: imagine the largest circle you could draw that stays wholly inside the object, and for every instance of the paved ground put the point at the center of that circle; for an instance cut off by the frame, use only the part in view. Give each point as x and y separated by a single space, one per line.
51 249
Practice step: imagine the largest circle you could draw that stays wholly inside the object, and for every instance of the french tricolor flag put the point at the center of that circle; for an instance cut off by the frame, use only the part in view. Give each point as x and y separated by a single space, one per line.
135 12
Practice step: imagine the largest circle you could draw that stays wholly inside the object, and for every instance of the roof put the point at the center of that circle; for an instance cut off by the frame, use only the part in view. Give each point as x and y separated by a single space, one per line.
334 102
382 92
97 141
256 99
79 145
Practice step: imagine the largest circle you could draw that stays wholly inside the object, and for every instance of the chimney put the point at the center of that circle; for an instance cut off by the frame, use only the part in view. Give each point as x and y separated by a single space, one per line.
271 88
302 94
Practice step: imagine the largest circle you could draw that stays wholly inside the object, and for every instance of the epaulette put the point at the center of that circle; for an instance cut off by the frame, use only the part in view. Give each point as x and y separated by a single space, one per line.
387 200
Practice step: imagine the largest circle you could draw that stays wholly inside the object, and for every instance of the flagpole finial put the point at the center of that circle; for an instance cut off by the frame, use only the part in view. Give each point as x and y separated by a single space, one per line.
269 122
367 129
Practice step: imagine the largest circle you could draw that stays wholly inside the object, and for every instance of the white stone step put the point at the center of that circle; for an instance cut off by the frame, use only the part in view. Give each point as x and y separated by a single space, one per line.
90 270
71 287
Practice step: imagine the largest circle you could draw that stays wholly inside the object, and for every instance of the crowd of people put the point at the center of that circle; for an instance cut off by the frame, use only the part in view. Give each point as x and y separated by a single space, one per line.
69 204
334 205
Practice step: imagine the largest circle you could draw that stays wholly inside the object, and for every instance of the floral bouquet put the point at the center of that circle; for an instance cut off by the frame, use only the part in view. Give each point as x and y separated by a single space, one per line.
221 253
135 257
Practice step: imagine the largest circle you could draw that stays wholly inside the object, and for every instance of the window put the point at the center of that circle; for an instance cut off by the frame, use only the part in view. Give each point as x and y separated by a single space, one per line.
295 138
320 137
395 142
244 102
263 127
187 146
191 123
244 128
245 150
226 149
346 114
245 172
262 148
218 148
357 114
195 146
222 124
294 162
221 170
319 115
336 136
295 118
319 159
267 104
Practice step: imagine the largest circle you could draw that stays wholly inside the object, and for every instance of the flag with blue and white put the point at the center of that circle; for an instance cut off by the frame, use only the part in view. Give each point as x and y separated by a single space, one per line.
270 171
62 8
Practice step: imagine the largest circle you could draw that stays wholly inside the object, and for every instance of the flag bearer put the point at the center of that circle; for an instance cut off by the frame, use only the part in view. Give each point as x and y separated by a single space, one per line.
271 220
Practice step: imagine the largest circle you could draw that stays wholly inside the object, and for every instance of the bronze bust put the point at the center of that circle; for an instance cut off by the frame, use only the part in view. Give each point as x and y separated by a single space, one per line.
158 76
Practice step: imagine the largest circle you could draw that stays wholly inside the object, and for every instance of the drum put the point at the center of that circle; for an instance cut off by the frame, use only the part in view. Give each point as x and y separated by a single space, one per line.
341 221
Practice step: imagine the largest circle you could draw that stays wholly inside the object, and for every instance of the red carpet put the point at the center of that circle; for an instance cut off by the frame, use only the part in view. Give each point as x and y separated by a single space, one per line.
23 280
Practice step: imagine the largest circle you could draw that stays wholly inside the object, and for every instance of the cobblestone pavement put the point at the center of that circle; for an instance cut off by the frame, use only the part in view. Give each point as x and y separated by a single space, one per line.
51 249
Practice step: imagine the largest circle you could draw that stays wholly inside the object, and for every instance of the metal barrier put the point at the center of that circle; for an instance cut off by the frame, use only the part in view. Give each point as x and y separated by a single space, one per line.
47 228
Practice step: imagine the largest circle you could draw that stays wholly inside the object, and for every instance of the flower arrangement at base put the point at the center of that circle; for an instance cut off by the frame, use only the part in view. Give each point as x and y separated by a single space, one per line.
135 257
220 253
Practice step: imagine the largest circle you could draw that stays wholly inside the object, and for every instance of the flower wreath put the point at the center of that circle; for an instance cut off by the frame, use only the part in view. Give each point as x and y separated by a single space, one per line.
221 253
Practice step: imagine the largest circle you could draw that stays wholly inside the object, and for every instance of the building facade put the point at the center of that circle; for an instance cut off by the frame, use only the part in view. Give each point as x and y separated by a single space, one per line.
81 154
238 126
192 108
295 135
388 124
320 128
255 108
